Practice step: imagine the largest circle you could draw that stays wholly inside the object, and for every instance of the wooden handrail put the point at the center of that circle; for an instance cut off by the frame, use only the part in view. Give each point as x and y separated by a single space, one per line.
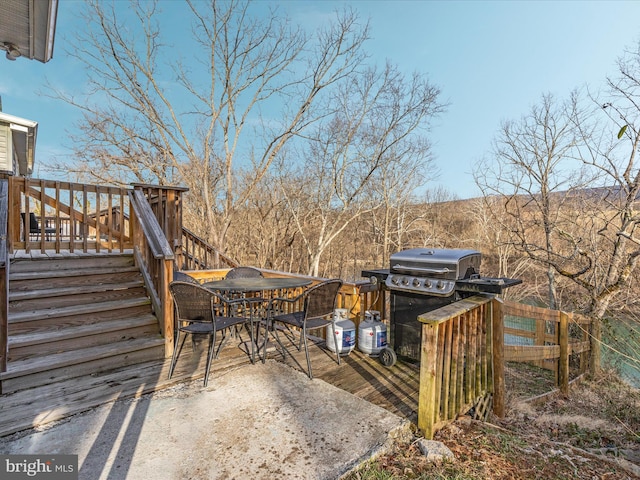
155 258
151 229
197 254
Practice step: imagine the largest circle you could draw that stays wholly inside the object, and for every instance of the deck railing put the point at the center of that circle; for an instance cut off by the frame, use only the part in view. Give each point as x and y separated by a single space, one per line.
460 361
52 215
154 256
197 254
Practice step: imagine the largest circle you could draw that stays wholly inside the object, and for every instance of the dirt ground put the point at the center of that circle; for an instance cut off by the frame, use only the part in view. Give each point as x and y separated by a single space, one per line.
594 433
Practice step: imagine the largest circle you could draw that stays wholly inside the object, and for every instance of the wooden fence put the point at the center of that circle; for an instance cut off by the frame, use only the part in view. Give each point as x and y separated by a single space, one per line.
550 339
466 344
197 254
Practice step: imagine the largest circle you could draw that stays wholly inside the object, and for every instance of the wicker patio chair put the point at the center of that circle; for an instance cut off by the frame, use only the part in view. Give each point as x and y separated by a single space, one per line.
183 277
243 272
199 311
319 303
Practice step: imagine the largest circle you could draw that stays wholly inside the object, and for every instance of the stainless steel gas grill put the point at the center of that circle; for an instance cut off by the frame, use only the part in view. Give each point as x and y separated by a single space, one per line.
424 279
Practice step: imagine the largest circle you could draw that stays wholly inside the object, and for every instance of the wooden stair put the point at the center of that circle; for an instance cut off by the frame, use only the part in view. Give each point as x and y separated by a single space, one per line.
76 316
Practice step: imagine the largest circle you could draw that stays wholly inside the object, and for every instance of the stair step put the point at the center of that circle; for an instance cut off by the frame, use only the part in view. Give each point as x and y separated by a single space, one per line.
38 275
87 309
97 298
101 328
76 317
74 290
65 263
73 357
91 278
56 367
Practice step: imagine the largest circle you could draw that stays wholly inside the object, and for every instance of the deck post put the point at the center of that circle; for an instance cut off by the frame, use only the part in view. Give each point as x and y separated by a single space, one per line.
428 369
497 338
167 308
4 276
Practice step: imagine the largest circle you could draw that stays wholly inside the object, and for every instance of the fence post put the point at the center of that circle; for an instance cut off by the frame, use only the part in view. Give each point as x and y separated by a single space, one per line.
540 340
428 368
497 338
563 361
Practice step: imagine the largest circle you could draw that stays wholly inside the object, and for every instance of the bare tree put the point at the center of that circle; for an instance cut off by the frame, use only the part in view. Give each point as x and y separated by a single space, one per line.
586 235
399 212
380 124
194 112
533 170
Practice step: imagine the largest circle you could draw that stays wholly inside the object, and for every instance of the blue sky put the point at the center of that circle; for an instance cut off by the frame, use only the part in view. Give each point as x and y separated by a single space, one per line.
491 60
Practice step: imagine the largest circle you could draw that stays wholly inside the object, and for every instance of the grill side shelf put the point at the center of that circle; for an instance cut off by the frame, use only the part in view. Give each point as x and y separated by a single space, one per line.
486 284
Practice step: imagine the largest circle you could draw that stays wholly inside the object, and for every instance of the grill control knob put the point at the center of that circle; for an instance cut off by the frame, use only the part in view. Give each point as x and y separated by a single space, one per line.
405 281
395 281
427 284
416 282
440 285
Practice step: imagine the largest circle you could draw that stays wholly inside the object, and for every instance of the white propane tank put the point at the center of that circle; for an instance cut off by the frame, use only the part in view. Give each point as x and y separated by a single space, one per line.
345 332
372 333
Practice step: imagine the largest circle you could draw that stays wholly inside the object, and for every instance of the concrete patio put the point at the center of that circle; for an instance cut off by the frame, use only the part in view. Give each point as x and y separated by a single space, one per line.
259 421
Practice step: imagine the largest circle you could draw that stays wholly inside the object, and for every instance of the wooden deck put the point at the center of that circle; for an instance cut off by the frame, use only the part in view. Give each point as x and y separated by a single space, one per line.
395 388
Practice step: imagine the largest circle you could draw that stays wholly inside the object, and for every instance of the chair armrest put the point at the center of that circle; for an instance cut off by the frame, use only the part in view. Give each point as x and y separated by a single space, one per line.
276 303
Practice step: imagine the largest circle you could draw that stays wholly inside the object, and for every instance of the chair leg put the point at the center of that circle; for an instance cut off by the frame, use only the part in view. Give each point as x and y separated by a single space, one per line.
177 348
306 352
283 350
253 336
267 325
212 343
226 334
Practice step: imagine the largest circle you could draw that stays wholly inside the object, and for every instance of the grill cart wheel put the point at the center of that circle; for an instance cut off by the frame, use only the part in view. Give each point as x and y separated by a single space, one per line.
388 357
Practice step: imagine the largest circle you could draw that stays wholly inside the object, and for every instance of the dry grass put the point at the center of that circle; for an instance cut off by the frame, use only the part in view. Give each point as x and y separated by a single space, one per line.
594 433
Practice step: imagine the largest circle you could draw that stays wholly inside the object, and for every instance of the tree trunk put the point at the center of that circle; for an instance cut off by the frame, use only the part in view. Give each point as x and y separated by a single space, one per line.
599 309
596 341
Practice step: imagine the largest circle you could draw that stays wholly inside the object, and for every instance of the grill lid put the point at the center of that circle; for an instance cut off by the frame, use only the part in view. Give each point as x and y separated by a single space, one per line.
431 270
452 264
437 272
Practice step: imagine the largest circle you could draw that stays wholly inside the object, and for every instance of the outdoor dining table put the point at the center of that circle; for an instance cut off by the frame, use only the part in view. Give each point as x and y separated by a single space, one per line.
268 286
256 284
